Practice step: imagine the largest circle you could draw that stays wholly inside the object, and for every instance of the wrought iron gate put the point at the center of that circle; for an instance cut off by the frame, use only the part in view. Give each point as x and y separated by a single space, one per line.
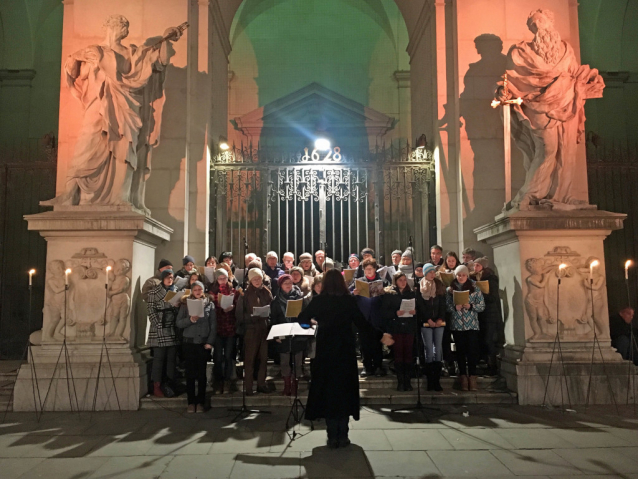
302 202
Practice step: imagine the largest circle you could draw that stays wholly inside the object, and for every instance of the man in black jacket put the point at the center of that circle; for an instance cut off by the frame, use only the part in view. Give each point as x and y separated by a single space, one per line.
620 326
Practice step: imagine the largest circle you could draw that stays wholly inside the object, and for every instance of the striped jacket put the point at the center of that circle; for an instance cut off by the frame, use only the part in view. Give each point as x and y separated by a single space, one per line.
162 317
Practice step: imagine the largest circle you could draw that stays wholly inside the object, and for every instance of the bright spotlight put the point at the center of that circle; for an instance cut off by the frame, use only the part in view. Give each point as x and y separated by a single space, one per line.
322 144
223 143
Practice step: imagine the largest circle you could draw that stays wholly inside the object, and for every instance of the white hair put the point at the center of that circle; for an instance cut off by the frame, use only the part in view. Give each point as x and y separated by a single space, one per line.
115 20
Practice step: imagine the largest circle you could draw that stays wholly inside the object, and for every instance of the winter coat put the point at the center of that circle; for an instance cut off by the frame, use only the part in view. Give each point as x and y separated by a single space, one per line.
273 274
304 285
334 389
390 304
204 331
162 318
433 308
278 316
466 319
150 284
371 307
226 321
253 297
493 312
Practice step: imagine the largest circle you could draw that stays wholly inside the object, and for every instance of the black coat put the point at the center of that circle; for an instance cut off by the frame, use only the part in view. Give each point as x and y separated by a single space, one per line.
390 304
278 316
493 312
433 308
334 389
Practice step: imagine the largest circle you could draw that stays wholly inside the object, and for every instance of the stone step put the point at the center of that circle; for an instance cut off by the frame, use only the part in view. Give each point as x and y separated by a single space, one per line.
375 396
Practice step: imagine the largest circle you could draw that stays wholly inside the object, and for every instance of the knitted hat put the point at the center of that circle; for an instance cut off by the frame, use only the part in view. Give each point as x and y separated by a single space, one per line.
397 251
289 255
198 283
271 254
406 254
298 269
353 255
328 264
482 261
188 259
163 263
256 263
369 251
254 273
461 269
304 257
282 278
165 273
419 265
221 272
224 255
428 268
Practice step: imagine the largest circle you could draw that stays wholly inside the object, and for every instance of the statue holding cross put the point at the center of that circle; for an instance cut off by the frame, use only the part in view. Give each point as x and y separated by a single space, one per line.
546 87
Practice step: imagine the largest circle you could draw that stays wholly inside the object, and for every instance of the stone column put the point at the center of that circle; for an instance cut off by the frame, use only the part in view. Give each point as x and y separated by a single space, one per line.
529 248
87 240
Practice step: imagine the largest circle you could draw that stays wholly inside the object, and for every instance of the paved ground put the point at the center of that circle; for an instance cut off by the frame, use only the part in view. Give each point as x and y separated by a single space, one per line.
491 441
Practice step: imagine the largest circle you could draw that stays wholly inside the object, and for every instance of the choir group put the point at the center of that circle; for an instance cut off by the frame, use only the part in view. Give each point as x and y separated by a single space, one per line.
445 311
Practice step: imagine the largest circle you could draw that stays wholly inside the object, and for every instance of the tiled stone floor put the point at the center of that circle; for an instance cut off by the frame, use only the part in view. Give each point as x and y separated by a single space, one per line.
492 441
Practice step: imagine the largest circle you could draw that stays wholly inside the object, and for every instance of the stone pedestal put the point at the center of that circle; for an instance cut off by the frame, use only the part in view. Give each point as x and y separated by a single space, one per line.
92 312
541 298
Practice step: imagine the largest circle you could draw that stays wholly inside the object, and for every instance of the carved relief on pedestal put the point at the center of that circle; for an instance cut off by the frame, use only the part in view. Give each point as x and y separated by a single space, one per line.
91 312
545 305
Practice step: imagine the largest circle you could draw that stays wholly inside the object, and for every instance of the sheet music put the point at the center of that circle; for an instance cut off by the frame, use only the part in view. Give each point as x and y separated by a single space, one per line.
407 305
239 275
195 307
261 311
226 301
209 272
181 283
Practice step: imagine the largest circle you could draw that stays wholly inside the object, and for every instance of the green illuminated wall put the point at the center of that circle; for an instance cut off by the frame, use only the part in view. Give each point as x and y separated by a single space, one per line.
352 47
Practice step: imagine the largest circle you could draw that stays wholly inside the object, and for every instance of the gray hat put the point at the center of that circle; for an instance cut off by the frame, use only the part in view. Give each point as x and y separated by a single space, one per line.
397 251
483 261
188 259
406 254
198 283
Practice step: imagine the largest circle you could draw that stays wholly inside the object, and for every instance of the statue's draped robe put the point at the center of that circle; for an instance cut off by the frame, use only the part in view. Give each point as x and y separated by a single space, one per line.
121 117
550 123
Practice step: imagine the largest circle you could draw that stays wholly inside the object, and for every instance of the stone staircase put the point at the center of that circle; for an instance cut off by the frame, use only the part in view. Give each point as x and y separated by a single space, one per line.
374 391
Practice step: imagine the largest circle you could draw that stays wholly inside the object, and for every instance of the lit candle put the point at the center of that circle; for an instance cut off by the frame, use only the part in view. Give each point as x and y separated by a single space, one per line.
31 273
592 265
66 276
108 268
561 267
628 264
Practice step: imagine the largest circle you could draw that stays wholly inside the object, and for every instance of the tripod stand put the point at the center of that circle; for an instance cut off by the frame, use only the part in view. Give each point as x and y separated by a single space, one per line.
67 357
297 408
244 410
594 344
560 349
103 350
631 376
29 354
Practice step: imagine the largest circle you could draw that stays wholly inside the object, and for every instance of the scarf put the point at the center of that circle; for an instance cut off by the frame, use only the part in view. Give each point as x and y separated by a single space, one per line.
428 288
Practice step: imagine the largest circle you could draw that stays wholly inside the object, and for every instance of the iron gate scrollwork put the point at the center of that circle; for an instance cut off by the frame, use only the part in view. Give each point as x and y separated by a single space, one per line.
292 203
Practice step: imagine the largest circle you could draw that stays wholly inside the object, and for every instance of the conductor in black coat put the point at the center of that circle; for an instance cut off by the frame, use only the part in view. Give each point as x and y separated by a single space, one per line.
334 390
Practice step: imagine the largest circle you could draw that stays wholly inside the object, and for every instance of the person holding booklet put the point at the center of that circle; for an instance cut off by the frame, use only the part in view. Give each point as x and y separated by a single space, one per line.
225 298
285 308
464 302
368 291
399 310
490 320
252 321
196 317
300 280
446 275
210 265
161 335
431 309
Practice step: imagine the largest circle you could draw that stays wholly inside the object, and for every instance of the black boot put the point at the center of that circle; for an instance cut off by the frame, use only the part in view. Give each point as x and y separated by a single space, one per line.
430 376
436 375
400 368
407 377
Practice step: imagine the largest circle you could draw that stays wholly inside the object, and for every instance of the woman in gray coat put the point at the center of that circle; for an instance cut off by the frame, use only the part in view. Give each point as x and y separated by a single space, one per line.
198 339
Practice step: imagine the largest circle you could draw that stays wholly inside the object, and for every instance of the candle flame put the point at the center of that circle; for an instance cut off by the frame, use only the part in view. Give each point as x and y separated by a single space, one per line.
594 263
495 103
68 271
562 266
518 101
31 271
108 268
628 264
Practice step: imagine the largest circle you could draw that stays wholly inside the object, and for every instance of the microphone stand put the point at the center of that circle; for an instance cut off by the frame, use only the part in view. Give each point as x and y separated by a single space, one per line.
631 378
595 343
560 352
296 404
419 349
244 410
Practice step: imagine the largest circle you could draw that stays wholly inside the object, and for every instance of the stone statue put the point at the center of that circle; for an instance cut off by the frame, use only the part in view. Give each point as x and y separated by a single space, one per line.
550 122
53 312
537 311
121 90
119 304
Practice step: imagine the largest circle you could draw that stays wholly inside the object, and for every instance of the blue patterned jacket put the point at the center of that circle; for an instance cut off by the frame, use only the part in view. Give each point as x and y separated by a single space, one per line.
466 319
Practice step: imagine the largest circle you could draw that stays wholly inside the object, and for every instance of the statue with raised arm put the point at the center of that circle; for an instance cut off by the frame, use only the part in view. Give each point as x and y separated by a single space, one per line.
550 121
122 91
